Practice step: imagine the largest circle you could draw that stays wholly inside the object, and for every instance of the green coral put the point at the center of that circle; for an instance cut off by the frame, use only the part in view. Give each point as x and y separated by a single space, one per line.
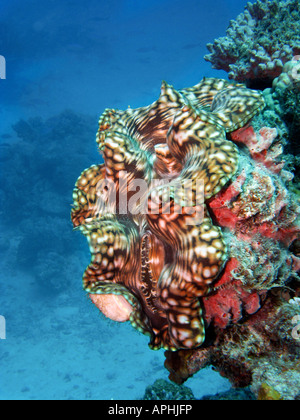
164 390
259 42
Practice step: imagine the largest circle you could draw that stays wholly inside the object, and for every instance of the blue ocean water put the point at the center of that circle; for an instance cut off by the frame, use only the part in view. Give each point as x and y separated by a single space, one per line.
66 61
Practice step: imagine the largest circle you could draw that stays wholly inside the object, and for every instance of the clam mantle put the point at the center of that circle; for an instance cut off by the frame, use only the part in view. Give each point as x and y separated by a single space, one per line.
153 267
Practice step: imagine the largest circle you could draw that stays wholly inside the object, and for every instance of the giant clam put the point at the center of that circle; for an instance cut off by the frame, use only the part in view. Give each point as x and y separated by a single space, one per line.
155 250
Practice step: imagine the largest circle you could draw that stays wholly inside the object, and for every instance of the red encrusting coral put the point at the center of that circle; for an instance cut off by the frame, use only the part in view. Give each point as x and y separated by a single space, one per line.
248 312
259 214
261 146
220 204
229 299
257 204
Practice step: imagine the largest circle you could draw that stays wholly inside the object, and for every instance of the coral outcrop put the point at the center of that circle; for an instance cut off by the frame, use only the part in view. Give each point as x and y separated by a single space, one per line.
259 42
250 314
253 313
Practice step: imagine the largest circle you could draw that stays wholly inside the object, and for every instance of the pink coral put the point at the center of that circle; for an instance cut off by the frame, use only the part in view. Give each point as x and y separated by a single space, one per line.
261 217
259 204
230 298
261 146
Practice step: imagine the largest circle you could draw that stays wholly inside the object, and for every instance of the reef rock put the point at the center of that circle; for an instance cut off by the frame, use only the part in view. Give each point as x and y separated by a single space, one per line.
252 313
263 350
